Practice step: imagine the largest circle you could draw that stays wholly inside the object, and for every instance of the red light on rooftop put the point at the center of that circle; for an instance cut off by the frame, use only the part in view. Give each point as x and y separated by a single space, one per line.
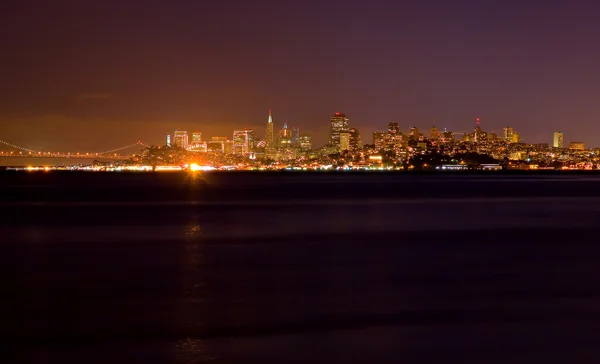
337 113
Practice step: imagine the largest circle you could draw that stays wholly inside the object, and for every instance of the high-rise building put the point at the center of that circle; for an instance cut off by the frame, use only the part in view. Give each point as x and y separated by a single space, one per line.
355 141
413 133
196 143
295 135
516 137
243 142
168 140
558 140
434 133
269 134
507 134
285 136
305 142
344 141
393 129
339 124
379 139
180 139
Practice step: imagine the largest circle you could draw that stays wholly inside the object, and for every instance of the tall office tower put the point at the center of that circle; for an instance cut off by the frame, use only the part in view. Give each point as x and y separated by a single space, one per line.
269 134
413 133
180 139
285 136
339 123
344 141
478 134
379 138
295 135
168 140
393 129
507 134
448 136
516 138
355 141
243 142
434 134
305 142
558 140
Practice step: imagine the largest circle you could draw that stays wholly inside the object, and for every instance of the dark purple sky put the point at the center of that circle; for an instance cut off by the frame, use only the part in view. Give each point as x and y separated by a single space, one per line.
98 74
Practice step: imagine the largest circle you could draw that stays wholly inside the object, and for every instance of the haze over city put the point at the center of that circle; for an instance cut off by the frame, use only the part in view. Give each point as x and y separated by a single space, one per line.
90 76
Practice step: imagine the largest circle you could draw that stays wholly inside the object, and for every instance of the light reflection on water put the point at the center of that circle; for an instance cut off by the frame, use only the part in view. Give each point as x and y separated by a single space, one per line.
192 351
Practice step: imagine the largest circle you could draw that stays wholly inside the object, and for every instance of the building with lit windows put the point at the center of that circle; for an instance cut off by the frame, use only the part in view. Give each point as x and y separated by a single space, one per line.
344 141
243 142
180 139
285 137
507 134
355 141
168 140
576 146
434 134
305 143
558 141
339 123
379 139
295 135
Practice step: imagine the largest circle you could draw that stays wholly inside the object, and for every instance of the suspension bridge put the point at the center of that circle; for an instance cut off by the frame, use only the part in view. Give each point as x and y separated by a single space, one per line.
11 150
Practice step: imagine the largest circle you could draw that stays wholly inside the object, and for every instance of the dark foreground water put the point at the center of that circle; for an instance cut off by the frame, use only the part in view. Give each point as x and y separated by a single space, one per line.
299 268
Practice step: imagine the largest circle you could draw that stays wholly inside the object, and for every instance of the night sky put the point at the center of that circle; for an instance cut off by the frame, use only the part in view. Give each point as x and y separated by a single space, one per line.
89 75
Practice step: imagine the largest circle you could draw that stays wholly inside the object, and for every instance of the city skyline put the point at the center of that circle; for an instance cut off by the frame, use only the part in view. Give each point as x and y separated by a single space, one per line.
86 76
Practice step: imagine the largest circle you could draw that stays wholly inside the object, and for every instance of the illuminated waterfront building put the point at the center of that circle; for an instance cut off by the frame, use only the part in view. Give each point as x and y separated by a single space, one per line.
180 139
339 124
558 141
344 141
355 141
576 146
379 140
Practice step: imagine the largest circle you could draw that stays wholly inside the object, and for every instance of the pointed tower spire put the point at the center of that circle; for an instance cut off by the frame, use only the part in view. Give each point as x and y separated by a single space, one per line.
270 117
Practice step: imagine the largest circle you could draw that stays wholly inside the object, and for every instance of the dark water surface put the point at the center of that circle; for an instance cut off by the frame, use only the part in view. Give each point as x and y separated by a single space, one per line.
299 268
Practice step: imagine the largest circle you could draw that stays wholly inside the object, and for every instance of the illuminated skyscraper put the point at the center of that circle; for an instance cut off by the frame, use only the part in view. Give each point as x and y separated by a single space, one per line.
285 136
295 135
393 129
507 134
305 142
269 135
434 134
243 142
413 133
339 123
168 140
379 138
516 138
180 139
558 140
344 141
355 142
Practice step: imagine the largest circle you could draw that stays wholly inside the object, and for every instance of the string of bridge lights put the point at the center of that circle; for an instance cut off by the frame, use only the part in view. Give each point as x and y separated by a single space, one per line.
97 153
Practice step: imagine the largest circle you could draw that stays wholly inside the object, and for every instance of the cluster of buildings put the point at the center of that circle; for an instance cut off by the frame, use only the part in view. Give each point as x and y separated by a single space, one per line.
394 147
